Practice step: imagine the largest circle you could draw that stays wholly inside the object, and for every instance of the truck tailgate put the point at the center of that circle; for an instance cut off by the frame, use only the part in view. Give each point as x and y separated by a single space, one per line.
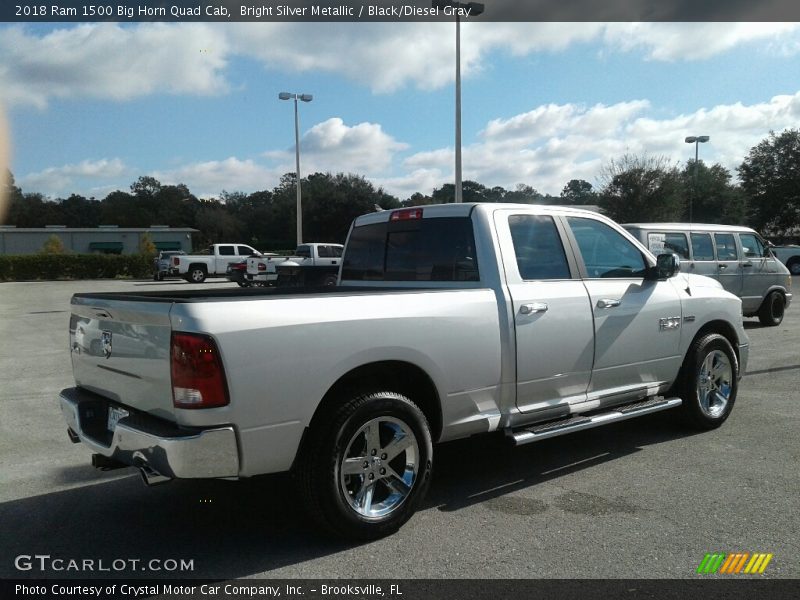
120 350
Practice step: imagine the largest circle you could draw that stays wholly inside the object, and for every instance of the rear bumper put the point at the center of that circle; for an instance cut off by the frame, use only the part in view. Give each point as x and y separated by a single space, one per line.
143 441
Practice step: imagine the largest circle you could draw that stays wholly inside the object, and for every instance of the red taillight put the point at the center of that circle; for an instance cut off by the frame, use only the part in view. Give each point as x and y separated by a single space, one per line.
406 214
262 267
198 380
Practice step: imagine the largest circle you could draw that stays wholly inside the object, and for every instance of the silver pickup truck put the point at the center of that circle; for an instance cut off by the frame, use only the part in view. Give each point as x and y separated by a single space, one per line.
447 321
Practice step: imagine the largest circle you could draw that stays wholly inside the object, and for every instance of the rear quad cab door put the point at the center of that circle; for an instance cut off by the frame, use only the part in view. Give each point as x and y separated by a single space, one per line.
551 312
637 322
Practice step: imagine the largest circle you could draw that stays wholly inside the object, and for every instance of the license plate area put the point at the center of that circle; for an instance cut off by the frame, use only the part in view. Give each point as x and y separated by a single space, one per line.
114 415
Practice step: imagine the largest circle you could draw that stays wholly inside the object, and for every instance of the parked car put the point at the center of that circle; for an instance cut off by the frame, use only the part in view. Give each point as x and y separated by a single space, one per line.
448 321
311 264
196 267
788 255
735 256
162 264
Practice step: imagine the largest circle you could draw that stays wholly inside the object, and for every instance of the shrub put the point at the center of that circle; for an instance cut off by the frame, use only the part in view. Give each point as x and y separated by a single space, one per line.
73 266
53 245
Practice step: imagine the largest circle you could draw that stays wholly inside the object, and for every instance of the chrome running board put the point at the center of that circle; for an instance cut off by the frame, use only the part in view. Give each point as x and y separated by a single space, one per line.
574 423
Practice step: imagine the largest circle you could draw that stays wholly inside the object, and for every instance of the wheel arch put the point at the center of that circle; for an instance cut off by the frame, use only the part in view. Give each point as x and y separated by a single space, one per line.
195 265
394 376
724 329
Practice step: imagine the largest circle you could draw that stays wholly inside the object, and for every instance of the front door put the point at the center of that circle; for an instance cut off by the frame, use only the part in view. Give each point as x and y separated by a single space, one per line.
636 321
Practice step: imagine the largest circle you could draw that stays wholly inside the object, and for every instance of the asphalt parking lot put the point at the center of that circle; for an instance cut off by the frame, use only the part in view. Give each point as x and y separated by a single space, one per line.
640 499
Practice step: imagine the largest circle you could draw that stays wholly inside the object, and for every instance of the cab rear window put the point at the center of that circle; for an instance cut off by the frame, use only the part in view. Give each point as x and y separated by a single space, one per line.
434 249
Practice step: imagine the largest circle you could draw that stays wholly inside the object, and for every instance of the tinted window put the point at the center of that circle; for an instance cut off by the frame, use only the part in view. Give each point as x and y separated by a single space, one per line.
751 245
416 250
726 246
336 251
304 251
538 247
227 250
605 251
662 242
245 250
702 248
323 251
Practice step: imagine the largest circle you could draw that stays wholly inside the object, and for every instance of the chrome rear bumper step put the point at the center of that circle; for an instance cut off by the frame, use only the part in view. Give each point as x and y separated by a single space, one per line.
580 422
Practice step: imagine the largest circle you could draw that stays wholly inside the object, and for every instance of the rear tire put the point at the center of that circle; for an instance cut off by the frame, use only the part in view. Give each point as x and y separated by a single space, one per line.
708 382
197 275
365 467
772 309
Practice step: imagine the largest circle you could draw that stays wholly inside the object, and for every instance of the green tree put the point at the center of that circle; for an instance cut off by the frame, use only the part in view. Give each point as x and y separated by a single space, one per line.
53 245
578 191
770 176
714 199
642 188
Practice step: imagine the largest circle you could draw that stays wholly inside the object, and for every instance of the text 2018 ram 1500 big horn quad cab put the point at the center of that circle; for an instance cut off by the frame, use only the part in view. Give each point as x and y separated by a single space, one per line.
447 321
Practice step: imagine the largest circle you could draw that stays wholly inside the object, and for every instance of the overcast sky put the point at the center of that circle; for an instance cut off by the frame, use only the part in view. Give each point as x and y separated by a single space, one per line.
91 107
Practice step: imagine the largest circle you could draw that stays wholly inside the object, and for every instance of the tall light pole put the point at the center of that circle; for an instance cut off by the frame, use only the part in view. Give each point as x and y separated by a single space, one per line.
304 98
474 9
696 140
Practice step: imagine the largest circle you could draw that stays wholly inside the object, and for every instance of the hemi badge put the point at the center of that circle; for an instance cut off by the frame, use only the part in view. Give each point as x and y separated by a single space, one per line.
669 323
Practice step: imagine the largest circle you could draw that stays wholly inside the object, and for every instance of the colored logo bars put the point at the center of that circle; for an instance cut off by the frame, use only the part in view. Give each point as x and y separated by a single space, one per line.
735 563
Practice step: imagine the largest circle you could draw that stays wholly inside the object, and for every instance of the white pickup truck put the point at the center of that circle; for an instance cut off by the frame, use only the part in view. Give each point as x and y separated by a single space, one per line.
788 255
194 268
318 263
448 321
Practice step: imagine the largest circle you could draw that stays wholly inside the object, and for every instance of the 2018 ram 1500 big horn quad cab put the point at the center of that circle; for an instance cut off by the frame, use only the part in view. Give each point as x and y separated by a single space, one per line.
448 321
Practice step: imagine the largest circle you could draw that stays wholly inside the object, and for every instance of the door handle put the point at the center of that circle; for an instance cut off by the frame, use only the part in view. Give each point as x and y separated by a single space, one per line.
747 264
607 303
533 307
723 267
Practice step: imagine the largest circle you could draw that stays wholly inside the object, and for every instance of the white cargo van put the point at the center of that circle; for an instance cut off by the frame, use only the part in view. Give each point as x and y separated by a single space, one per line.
735 256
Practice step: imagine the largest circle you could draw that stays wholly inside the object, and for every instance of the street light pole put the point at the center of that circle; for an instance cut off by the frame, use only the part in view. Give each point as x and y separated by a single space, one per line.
472 9
696 140
304 98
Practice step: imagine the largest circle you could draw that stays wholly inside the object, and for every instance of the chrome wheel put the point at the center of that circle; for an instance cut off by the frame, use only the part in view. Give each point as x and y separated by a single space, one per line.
379 467
714 383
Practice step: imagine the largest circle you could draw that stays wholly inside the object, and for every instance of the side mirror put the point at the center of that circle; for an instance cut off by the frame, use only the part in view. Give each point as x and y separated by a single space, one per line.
667 265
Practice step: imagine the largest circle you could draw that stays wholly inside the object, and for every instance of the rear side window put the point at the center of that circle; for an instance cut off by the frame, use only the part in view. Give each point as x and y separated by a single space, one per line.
538 247
440 249
702 248
324 251
726 246
304 251
227 250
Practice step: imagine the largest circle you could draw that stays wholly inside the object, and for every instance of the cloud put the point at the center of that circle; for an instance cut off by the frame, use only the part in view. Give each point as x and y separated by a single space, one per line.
121 62
696 41
57 181
110 61
209 178
334 146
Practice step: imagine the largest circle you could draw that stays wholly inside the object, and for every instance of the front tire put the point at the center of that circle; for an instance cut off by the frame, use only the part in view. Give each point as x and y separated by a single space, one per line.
708 382
366 465
772 309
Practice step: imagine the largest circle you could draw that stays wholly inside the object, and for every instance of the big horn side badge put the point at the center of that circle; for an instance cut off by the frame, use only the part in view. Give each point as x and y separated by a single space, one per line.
106 344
